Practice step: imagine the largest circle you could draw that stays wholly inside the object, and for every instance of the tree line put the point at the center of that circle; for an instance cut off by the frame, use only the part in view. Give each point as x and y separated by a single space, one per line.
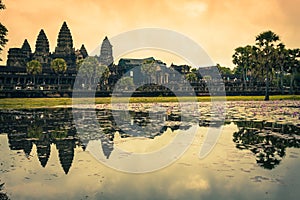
267 61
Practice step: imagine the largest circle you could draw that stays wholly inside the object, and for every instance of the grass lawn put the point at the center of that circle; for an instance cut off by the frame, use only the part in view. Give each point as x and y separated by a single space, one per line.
23 103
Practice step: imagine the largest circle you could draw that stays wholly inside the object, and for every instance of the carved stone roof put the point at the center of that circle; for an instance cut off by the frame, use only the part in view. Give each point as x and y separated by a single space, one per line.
42 43
83 51
64 37
106 57
26 47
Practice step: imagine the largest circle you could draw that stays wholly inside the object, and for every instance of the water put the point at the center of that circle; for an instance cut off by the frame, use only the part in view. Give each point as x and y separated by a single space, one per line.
256 156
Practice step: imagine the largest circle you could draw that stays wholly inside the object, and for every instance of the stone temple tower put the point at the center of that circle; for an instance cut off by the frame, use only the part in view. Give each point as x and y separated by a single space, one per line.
19 56
42 49
64 48
26 49
106 57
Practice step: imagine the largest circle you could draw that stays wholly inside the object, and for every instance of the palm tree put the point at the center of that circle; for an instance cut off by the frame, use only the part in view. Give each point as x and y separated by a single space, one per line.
266 42
59 66
34 67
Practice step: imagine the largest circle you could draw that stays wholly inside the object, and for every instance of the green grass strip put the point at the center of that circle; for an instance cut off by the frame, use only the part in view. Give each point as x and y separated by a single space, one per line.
26 103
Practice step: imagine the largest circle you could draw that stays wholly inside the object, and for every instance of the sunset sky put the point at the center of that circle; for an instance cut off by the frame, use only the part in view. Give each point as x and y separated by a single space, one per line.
218 26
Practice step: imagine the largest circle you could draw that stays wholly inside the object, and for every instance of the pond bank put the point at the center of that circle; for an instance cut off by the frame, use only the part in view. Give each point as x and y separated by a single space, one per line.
23 103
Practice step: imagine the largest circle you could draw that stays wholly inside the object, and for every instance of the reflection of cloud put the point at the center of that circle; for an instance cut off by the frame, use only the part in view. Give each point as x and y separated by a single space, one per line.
196 183
218 176
189 183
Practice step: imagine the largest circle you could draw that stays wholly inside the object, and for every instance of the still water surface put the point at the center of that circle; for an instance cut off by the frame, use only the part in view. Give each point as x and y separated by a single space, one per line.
256 156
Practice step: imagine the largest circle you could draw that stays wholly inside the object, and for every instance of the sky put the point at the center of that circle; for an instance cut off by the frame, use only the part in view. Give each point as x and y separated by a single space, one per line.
217 26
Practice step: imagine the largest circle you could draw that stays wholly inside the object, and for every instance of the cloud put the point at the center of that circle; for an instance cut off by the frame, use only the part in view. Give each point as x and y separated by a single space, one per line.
219 26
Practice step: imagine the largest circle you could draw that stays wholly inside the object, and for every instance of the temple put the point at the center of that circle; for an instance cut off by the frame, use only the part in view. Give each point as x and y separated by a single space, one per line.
144 77
18 57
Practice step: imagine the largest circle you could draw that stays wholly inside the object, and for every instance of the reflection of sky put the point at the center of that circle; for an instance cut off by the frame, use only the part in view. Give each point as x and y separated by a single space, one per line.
227 173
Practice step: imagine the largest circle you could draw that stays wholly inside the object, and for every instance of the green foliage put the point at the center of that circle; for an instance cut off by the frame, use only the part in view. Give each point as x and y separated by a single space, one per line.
59 65
266 39
3 31
244 58
267 61
34 67
126 82
2 6
148 67
59 134
27 103
79 63
35 132
225 71
91 69
191 77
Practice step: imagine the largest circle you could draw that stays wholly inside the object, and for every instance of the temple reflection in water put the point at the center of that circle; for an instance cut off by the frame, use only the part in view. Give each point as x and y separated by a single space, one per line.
46 127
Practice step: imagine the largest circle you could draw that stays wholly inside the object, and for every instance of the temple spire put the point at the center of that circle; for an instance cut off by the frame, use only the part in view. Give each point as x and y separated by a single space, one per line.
26 47
42 53
64 48
42 43
106 56
64 37
83 51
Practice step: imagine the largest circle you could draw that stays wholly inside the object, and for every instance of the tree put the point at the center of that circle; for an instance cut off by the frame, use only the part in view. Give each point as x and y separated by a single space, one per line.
266 55
243 57
3 31
34 67
192 76
149 68
224 71
3 195
93 71
281 60
126 82
293 66
59 66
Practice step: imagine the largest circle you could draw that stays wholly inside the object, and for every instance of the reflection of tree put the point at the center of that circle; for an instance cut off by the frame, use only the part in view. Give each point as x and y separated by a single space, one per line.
266 140
3 196
140 118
